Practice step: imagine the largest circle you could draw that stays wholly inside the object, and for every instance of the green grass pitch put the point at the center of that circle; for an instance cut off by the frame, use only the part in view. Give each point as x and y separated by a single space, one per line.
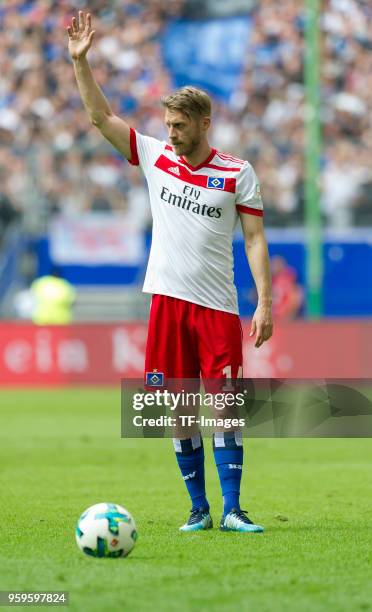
61 451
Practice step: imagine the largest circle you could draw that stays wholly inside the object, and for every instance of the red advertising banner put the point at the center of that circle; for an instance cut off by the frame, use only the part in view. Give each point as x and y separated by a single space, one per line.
95 354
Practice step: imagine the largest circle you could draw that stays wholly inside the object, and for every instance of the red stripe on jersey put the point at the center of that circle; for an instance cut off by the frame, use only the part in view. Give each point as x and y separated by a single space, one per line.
230 158
133 148
214 167
222 168
167 165
205 162
205 165
249 211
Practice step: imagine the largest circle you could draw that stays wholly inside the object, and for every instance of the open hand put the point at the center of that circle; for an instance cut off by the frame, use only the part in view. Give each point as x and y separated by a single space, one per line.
80 36
262 325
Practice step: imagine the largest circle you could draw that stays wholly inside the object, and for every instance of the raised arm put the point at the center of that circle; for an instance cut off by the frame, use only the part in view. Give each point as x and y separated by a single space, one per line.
117 131
258 259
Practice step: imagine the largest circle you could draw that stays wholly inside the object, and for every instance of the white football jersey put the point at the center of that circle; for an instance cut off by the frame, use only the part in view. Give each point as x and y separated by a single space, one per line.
195 211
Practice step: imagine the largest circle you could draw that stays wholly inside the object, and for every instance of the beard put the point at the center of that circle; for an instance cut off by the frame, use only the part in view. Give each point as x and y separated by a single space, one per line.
187 148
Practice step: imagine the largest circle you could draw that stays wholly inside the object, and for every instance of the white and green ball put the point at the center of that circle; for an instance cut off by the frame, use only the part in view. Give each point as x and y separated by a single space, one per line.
106 530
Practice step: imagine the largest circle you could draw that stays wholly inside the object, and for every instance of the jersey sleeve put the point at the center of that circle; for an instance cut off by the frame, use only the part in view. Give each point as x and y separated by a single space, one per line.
144 150
248 192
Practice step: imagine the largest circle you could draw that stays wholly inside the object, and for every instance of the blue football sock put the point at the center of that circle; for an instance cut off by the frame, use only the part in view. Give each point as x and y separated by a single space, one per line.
190 458
228 455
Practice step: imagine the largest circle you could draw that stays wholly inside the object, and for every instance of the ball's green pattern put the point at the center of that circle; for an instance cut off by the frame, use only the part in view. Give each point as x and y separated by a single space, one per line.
114 518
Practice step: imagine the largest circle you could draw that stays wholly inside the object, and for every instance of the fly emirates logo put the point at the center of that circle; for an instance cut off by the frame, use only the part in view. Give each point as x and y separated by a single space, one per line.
190 201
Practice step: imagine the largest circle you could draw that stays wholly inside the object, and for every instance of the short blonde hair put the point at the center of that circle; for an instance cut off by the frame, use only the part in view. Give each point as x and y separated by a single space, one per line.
190 101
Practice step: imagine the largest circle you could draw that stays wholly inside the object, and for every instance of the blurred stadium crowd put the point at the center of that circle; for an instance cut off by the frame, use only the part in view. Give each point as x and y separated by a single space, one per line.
52 160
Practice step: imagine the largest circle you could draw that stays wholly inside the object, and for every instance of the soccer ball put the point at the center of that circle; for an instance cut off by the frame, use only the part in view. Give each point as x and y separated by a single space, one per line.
106 530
